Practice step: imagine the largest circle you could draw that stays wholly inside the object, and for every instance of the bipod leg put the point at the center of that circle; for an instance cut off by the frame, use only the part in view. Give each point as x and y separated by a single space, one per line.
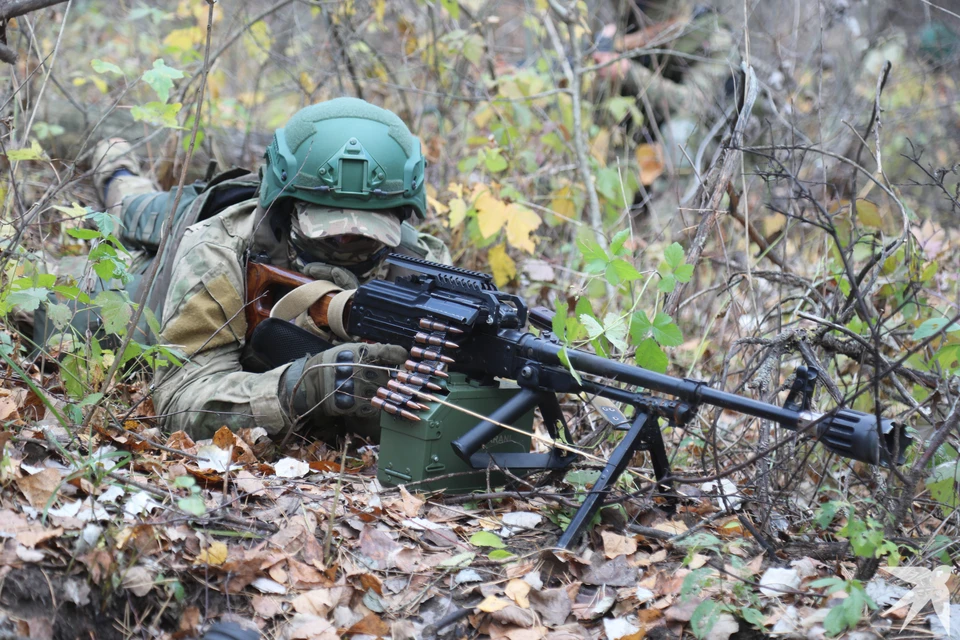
634 440
651 439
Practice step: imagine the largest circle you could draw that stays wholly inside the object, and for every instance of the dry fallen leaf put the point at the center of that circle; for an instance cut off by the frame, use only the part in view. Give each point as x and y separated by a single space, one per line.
214 555
291 468
308 627
317 602
39 487
650 159
553 606
410 503
493 603
517 591
138 580
266 607
615 545
371 625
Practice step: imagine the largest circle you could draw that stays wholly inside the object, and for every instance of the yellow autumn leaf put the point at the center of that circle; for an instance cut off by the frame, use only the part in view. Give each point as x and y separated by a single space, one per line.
502 265
491 213
307 83
257 41
458 211
868 213
650 159
214 555
521 222
74 211
34 152
456 189
483 116
184 39
380 10
563 204
216 79
517 591
600 146
491 604
436 205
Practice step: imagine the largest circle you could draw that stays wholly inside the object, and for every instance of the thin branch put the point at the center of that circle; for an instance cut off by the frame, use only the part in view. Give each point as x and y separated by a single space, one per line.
167 229
574 76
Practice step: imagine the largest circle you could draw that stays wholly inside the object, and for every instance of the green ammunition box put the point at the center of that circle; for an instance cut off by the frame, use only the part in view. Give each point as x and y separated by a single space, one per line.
415 451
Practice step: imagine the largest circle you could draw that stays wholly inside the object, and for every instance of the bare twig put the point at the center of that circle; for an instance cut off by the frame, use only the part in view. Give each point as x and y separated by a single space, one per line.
151 275
574 76
730 158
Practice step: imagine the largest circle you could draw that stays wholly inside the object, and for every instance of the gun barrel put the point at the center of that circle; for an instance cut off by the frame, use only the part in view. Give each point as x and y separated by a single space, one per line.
849 433
854 435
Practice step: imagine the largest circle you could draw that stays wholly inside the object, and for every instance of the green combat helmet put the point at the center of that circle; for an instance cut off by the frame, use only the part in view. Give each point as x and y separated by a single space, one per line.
345 154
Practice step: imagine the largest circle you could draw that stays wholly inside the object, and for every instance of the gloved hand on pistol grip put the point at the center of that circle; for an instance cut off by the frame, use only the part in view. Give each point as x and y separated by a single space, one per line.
337 275
338 388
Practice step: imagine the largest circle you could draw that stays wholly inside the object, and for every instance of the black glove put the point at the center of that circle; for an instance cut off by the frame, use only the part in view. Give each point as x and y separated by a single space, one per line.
330 385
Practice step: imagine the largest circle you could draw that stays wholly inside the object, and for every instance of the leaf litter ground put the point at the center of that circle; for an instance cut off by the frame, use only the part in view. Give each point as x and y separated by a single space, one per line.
133 533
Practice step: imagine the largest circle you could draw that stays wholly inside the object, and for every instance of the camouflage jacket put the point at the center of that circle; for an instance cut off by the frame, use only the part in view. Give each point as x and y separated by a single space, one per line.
203 315
694 79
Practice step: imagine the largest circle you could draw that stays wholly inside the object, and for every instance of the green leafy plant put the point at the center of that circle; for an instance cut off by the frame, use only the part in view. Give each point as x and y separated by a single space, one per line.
846 615
193 503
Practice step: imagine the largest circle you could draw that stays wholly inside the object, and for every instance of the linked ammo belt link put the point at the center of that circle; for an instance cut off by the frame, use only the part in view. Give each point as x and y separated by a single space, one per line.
425 363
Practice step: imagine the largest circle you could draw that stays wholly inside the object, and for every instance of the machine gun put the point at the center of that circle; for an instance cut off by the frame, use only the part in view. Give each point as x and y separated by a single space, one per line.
455 321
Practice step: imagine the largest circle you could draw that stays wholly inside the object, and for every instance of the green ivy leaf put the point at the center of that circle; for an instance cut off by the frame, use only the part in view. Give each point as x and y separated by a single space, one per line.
473 47
161 78
592 325
619 270
640 326
616 245
684 272
559 323
943 483
28 299
932 326
184 482
650 356
754 616
668 282
494 162
158 113
116 311
486 539
704 617
827 512
615 330
101 66
452 7
594 257
84 234
60 314
673 255
194 504
665 331
107 223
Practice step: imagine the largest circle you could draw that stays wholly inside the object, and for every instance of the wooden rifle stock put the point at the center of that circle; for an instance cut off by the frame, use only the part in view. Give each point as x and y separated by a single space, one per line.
266 284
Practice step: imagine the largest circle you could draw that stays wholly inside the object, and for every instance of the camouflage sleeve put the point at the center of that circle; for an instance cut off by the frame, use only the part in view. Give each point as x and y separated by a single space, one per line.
436 250
703 82
204 317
